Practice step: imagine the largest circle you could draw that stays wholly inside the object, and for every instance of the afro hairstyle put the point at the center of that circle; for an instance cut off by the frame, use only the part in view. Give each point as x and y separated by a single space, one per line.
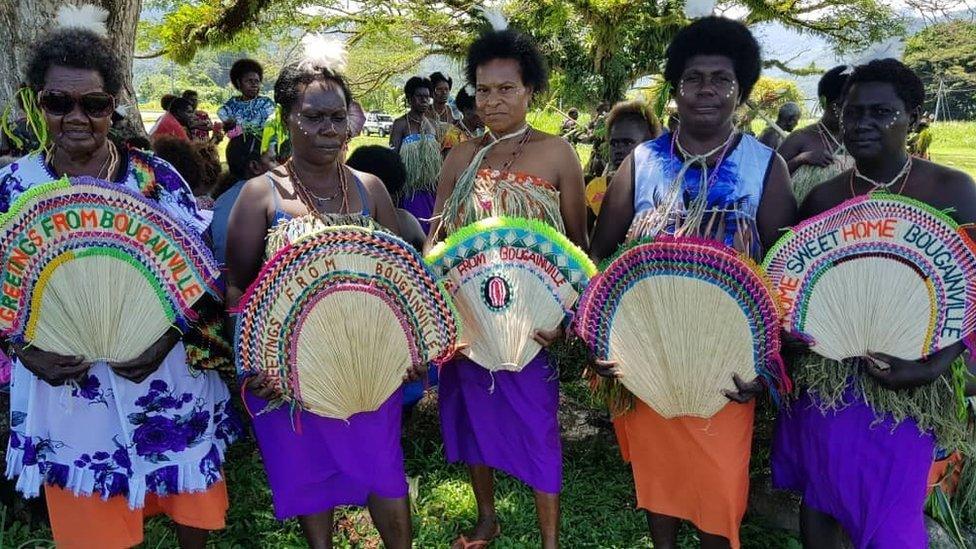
242 67
509 44
908 86
77 49
716 36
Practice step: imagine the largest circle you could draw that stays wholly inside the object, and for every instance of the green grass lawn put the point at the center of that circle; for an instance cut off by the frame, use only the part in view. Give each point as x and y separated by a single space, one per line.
598 501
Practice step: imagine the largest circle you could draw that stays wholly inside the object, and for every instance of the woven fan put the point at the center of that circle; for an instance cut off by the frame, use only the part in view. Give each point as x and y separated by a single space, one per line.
680 316
879 273
336 318
510 277
94 269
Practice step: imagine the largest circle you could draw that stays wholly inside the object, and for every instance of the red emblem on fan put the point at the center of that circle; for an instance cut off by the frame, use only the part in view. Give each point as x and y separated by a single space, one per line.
497 293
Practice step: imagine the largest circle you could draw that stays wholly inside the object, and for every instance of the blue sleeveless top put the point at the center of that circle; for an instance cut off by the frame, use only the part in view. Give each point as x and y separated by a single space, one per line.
733 193
281 215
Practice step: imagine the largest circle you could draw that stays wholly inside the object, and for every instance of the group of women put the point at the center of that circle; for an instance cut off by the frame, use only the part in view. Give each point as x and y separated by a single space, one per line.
116 470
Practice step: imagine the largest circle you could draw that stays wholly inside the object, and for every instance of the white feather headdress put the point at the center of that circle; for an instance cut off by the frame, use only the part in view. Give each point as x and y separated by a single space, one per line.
325 52
85 16
496 18
699 8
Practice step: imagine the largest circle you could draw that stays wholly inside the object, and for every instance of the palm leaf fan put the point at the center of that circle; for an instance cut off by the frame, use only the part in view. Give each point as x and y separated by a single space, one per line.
337 317
879 273
510 277
96 270
680 316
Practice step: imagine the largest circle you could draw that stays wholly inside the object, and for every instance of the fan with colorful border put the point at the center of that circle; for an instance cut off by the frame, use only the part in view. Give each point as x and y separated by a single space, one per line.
880 273
94 269
336 318
510 277
680 316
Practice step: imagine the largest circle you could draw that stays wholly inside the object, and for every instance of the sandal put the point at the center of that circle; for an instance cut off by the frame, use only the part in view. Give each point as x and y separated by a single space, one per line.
464 543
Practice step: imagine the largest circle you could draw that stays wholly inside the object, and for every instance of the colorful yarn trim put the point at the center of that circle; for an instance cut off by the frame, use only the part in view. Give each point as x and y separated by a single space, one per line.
63 220
323 263
881 226
697 259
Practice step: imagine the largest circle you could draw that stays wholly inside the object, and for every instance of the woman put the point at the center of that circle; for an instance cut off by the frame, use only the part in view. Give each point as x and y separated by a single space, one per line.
332 462
175 122
250 111
629 124
856 465
105 446
815 153
520 171
692 468
414 138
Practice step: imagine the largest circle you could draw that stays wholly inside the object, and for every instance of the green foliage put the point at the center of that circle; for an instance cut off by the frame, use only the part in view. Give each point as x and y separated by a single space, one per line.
770 94
946 52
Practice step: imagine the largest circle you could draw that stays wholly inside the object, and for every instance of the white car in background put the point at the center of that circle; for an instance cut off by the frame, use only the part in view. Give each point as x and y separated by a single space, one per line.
378 123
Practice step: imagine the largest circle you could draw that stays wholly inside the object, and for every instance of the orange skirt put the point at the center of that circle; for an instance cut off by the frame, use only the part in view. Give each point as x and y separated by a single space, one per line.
691 468
83 522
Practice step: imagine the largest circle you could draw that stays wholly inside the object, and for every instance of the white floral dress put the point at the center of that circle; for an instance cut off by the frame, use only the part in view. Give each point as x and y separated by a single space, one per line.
107 435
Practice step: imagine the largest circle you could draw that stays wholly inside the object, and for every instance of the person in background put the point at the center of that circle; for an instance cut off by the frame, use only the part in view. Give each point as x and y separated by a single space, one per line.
815 153
385 164
164 102
244 161
190 162
629 124
176 121
470 123
570 126
414 138
201 128
786 121
921 139
441 112
249 111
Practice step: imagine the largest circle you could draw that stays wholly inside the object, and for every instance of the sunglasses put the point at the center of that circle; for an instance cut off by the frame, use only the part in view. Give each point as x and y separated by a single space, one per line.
94 104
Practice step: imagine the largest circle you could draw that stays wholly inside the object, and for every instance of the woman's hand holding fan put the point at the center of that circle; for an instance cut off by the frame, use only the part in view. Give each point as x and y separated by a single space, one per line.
545 338
141 367
52 368
899 374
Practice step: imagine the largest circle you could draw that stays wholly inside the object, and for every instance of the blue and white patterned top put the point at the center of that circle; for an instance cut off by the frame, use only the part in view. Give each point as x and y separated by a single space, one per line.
251 115
734 191
107 435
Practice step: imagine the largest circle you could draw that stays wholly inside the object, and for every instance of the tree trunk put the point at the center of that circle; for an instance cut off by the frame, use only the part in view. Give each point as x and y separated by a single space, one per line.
26 21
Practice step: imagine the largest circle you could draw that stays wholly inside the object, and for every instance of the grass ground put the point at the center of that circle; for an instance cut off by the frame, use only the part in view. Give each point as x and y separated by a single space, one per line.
598 501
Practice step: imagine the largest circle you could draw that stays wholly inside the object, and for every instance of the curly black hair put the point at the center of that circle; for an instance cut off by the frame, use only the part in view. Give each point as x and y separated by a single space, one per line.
184 158
78 49
908 86
716 36
464 101
831 85
241 150
415 83
509 44
243 66
383 162
178 104
302 73
441 77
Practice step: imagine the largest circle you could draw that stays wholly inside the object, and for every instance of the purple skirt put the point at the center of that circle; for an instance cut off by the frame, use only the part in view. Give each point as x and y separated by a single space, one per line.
872 478
512 427
421 205
331 462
